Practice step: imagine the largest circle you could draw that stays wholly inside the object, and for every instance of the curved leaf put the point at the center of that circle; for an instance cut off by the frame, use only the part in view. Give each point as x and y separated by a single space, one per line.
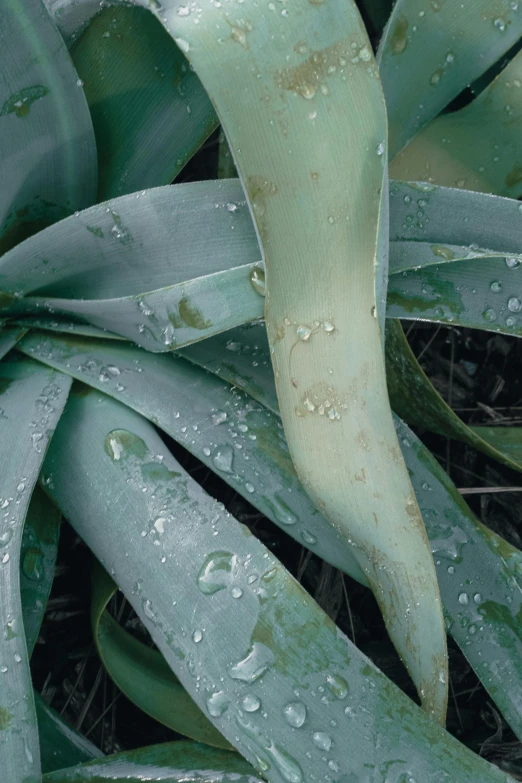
149 111
173 762
141 673
38 558
31 402
480 591
60 745
416 400
99 254
477 147
47 149
189 404
260 639
240 440
437 49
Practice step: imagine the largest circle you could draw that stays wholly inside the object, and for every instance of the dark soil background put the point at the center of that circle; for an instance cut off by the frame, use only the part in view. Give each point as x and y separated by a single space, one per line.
477 374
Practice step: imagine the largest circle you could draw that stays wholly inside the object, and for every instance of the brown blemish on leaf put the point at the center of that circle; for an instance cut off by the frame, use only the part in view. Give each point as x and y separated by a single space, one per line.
305 79
399 37
514 176
239 31
259 190
192 316
5 718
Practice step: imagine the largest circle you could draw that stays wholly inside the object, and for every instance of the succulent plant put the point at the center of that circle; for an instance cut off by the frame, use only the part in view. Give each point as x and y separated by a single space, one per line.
254 319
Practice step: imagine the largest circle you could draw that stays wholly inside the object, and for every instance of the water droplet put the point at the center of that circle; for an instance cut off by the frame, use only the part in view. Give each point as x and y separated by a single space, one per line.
380 149
251 703
249 487
223 459
500 24
257 279
303 333
216 572
282 512
514 304
33 564
183 45
295 714
286 764
236 592
337 685
477 598
159 524
513 263
254 665
489 315
496 286
217 704
308 538
6 537
197 636
17 657
321 740
148 611
219 417
463 599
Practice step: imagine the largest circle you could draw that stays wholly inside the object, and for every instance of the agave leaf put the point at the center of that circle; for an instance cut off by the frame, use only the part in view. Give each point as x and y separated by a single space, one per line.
174 762
415 399
260 639
60 745
437 49
199 411
188 404
149 111
483 292
477 147
480 591
38 558
141 673
31 401
98 255
295 112
47 152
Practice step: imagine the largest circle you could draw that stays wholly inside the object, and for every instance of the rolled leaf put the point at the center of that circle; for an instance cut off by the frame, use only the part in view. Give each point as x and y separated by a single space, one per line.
32 398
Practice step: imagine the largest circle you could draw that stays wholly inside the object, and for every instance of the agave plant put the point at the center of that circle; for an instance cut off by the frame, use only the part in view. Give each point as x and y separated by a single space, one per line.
245 318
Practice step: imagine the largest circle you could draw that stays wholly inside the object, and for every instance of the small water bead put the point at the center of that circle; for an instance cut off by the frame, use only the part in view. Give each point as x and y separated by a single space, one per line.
17 657
249 487
219 417
500 24
463 599
489 315
321 740
477 598
232 207
514 304
251 703
303 333
308 538
282 512
236 592
337 685
286 764
223 459
6 537
295 714
380 149
513 263
197 636
510 321
217 704
257 279
216 573
496 286
254 665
